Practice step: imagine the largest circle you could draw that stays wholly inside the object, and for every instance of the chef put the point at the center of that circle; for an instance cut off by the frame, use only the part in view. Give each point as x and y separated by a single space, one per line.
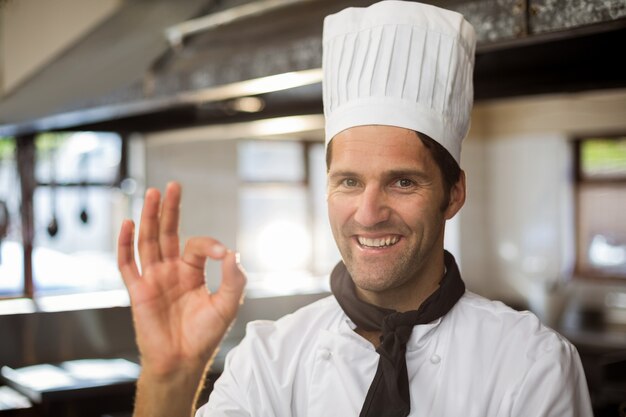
400 335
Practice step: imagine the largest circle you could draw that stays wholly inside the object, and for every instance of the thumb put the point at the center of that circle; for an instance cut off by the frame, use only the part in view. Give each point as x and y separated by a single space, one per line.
232 286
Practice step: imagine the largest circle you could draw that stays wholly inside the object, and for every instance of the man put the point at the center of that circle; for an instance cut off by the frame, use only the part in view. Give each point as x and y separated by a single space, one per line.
400 335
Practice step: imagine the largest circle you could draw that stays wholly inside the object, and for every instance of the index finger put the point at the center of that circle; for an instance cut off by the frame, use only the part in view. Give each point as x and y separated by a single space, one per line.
198 249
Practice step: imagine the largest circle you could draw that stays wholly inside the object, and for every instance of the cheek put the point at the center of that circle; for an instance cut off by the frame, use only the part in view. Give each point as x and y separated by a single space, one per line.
336 208
340 209
417 215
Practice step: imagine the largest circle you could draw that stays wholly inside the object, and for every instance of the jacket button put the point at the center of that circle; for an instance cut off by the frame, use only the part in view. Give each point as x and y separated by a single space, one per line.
435 359
325 354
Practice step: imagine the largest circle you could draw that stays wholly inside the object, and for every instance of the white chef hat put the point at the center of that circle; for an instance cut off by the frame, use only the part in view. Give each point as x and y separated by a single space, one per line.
401 64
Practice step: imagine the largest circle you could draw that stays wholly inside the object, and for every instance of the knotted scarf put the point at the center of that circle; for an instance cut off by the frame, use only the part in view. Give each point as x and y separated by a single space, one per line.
388 395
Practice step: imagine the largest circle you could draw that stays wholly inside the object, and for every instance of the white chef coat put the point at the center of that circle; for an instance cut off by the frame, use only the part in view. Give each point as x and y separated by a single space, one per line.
482 359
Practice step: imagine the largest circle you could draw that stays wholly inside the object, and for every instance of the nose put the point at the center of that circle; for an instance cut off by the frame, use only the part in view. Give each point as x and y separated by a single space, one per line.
372 207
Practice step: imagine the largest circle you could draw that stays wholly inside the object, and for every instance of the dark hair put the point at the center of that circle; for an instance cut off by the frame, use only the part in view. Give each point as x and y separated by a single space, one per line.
449 168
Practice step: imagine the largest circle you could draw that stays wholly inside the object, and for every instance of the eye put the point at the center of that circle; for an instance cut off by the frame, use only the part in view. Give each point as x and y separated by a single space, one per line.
404 183
350 182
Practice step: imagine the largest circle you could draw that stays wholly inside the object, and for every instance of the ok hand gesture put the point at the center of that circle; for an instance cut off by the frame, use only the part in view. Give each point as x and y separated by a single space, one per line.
179 324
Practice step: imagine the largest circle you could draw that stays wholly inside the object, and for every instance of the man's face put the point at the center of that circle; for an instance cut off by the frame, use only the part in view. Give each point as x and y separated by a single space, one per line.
385 193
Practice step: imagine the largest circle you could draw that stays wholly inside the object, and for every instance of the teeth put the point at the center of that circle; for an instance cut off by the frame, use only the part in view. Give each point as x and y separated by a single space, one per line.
378 243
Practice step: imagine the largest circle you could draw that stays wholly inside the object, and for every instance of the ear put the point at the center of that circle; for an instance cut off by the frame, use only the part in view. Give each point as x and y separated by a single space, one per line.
457 197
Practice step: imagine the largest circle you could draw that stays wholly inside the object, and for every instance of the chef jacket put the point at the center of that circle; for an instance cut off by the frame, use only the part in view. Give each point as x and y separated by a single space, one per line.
482 359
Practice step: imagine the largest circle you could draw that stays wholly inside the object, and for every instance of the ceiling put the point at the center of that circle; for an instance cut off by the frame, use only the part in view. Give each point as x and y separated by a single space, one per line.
124 76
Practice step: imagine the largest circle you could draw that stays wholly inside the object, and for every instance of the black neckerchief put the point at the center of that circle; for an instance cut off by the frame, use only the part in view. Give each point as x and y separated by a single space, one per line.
388 395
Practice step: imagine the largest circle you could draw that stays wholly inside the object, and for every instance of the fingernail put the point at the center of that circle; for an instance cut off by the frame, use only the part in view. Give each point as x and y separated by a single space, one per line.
218 250
237 258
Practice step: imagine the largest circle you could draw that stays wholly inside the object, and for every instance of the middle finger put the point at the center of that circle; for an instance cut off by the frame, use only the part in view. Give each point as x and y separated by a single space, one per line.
170 213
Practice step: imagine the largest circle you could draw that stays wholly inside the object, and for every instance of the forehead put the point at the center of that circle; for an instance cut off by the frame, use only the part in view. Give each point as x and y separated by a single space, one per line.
378 147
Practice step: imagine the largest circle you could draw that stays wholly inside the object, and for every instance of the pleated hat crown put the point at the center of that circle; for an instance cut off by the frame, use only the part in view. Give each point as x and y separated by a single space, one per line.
401 64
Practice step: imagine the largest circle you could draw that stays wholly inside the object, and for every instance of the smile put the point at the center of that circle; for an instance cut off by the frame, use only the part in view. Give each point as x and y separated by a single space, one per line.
378 242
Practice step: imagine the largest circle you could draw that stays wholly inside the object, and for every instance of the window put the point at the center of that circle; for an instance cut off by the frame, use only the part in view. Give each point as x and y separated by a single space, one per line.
77 204
601 207
283 226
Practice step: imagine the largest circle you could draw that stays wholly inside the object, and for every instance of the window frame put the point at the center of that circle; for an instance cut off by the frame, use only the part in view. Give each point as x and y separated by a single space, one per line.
579 181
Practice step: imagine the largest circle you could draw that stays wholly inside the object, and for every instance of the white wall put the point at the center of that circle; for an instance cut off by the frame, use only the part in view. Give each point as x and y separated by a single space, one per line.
517 228
473 257
530 207
208 172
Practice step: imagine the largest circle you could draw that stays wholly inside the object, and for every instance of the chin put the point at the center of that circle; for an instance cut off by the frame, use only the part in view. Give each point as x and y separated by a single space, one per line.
378 281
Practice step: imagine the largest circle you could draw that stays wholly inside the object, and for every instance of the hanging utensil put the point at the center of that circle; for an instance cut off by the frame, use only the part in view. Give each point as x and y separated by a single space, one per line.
84 216
84 167
53 226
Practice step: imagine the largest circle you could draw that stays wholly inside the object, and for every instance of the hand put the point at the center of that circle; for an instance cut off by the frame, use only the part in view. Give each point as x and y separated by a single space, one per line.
179 324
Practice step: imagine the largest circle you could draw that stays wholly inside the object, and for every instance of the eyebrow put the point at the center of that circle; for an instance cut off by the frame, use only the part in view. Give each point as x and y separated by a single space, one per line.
414 173
336 174
394 173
